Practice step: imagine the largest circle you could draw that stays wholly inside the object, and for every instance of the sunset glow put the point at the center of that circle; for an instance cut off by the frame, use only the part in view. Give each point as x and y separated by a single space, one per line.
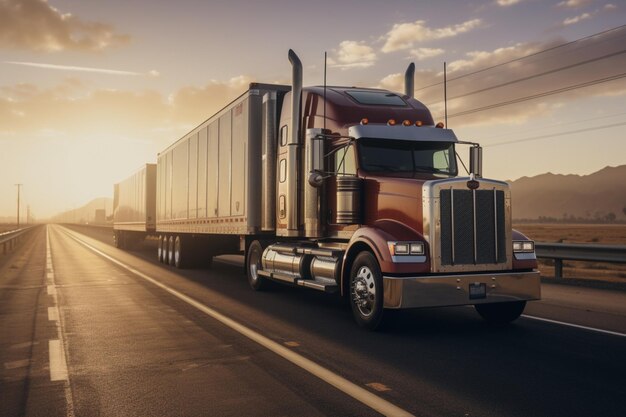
91 91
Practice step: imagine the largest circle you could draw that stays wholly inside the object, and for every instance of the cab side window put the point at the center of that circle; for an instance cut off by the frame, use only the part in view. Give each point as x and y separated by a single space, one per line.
345 162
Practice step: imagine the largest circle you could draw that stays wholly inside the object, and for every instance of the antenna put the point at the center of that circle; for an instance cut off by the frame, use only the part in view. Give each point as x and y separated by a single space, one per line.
445 94
325 59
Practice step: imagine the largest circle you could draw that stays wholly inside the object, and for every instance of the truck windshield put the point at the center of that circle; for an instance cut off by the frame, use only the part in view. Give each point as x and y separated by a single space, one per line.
386 155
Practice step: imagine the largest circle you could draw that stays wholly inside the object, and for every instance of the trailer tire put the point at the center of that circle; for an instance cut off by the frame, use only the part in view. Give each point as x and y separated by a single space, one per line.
182 252
501 313
253 265
160 249
170 250
116 239
366 291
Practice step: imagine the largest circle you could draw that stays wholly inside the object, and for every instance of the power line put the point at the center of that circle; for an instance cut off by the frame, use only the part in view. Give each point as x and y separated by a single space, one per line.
589 129
540 95
607 116
530 77
525 56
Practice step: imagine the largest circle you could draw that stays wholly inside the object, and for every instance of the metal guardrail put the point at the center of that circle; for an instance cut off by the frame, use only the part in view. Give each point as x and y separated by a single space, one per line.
9 239
579 252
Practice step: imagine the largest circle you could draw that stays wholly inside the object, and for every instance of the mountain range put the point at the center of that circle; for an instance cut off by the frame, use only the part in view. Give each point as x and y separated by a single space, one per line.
600 196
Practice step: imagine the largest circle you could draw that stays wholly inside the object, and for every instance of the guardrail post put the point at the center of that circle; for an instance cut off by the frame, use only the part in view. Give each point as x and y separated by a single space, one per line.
558 268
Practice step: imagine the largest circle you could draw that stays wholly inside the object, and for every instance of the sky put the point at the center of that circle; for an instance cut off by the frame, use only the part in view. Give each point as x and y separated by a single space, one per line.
91 90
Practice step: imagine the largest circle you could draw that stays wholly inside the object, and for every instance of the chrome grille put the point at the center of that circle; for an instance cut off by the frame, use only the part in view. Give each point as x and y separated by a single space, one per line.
467 230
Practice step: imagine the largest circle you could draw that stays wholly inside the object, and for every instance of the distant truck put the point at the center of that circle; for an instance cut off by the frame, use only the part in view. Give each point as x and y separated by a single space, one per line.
134 207
347 190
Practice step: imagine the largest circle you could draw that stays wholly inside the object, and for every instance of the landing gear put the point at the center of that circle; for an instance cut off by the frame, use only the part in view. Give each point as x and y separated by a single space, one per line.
501 313
366 291
254 265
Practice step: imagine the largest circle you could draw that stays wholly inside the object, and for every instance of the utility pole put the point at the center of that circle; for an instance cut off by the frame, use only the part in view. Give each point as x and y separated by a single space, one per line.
19 187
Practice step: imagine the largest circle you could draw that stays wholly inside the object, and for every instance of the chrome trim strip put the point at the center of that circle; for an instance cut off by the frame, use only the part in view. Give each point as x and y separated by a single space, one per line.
452 223
525 256
495 222
475 226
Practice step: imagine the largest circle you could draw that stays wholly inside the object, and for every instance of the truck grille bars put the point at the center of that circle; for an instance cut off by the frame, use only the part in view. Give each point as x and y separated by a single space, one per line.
472 227
466 229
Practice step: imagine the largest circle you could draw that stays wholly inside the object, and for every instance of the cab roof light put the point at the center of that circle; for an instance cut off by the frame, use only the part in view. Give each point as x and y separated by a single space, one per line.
439 125
391 122
407 123
418 123
364 121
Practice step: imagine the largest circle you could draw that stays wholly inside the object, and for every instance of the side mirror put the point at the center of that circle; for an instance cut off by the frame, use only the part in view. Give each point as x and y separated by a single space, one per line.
476 161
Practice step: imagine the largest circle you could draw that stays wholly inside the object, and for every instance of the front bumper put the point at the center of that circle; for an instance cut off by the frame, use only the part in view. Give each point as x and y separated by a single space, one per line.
454 290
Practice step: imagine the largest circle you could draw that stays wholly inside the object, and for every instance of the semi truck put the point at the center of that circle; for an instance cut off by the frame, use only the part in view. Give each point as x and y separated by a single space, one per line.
134 207
347 190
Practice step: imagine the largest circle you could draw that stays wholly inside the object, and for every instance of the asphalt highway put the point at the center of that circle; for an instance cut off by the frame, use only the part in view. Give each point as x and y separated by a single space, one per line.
87 329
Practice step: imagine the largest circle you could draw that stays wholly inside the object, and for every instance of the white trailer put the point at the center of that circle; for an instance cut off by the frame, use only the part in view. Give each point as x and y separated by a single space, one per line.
134 207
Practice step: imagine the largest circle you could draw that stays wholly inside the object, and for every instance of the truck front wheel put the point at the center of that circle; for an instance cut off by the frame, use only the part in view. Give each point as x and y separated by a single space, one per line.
366 291
501 313
254 265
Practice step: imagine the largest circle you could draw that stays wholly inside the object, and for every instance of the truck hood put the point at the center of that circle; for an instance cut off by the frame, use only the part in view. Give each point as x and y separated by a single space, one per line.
394 199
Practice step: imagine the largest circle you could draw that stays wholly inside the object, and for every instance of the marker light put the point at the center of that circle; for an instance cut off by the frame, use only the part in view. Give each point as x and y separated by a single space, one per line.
407 123
391 122
418 123
364 121
439 125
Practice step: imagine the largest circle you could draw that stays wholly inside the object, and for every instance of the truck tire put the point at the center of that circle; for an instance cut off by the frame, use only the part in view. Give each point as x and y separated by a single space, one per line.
182 252
366 291
160 249
253 265
501 313
170 250
116 239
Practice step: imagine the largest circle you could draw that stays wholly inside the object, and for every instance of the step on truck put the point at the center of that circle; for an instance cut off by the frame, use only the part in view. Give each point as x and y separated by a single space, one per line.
347 190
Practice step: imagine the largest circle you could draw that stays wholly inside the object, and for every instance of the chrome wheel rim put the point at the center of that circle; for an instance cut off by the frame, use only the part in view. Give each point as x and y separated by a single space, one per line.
364 291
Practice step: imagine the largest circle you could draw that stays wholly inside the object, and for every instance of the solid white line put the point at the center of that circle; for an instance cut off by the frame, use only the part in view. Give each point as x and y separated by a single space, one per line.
58 366
578 326
358 393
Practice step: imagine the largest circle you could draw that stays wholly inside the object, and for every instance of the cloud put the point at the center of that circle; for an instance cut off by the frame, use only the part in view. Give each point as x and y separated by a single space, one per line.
74 108
609 6
506 3
425 53
488 78
352 54
576 19
574 4
37 26
82 69
406 35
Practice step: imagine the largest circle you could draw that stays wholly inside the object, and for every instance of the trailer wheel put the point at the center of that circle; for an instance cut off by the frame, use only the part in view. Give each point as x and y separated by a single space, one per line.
116 239
366 291
253 265
182 252
501 313
170 250
160 249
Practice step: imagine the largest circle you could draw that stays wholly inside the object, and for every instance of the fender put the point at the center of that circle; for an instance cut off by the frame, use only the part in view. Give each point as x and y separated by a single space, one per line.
375 238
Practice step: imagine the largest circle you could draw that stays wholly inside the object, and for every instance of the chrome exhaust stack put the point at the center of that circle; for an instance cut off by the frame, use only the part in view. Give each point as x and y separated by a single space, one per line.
293 214
409 80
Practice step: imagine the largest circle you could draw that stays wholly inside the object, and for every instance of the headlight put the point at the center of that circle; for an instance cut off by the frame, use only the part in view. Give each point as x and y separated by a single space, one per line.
406 248
523 246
